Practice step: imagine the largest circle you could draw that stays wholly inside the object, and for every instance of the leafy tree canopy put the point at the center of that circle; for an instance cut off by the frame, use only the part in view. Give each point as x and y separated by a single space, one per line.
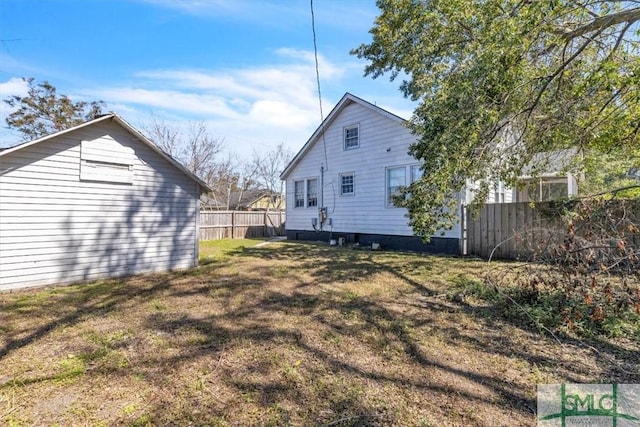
501 81
610 172
44 111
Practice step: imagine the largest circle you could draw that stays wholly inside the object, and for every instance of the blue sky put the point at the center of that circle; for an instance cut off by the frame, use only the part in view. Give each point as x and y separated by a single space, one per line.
245 67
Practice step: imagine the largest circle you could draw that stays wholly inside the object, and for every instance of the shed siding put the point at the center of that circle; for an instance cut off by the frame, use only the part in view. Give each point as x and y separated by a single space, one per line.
57 228
384 143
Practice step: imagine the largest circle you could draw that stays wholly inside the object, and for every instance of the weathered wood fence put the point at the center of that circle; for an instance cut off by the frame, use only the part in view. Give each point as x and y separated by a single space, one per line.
513 230
502 230
215 225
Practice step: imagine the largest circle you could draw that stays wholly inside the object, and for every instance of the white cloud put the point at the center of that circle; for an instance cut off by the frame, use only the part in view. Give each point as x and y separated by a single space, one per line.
281 114
283 81
189 103
14 86
251 108
255 107
248 107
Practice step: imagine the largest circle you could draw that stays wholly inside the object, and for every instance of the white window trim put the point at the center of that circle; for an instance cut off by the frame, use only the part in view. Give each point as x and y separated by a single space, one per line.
344 137
353 176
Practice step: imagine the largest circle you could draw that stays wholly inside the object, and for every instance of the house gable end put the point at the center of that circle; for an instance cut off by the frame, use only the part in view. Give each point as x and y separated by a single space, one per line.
317 136
114 118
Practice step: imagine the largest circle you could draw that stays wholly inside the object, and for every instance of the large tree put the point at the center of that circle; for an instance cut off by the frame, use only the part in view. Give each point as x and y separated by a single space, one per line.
501 81
44 111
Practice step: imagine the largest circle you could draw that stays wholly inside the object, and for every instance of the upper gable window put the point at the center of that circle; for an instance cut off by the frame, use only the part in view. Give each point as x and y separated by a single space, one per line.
351 137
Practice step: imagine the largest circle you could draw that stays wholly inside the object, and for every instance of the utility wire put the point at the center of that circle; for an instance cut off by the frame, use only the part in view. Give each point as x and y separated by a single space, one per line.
315 54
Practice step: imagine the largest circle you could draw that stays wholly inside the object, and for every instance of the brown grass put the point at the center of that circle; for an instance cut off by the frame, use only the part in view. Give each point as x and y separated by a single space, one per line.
283 334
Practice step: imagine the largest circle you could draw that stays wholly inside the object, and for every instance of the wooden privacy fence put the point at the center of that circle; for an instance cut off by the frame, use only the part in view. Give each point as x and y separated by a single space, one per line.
506 230
216 225
515 230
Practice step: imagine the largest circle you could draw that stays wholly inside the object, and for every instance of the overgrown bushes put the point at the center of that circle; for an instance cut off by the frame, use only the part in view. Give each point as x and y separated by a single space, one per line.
585 276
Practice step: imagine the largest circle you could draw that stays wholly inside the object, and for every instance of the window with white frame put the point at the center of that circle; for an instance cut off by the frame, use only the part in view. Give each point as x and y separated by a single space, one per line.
351 137
312 193
416 173
396 179
347 184
548 189
299 193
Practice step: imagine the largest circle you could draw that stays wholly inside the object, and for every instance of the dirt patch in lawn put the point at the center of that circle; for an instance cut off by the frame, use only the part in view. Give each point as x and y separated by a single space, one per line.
285 334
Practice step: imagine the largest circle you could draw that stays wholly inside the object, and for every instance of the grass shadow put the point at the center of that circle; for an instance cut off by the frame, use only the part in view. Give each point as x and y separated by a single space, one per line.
291 333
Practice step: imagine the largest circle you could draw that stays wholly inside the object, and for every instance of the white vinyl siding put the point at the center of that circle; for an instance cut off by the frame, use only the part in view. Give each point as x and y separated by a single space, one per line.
351 137
58 228
347 184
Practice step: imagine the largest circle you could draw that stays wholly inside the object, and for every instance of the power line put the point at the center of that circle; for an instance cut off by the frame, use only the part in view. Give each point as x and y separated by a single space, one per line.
315 54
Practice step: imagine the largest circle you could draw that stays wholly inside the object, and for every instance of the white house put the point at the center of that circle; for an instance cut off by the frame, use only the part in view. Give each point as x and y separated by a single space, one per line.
94 201
341 182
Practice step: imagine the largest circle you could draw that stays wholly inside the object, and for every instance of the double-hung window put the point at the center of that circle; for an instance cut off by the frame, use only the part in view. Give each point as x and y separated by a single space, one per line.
312 193
306 193
299 193
351 137
396 180
347 184
416 173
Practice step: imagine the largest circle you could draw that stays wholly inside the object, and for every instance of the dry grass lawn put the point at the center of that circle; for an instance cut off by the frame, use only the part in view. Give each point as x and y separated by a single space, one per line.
284 334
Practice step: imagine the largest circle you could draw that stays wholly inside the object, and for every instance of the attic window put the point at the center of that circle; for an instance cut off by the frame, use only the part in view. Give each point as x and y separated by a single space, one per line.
351 137
105 160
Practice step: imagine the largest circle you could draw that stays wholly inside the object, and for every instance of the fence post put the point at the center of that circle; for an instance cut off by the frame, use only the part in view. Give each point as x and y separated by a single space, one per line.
233 224
281 228
463 234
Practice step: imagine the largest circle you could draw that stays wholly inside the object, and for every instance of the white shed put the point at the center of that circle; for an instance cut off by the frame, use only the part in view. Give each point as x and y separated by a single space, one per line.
94 201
